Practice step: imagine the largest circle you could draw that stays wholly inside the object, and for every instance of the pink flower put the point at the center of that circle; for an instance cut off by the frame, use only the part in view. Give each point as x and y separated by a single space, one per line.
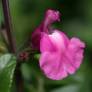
60 56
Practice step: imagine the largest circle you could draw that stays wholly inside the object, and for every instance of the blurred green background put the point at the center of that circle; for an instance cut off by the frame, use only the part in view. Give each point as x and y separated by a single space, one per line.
76 20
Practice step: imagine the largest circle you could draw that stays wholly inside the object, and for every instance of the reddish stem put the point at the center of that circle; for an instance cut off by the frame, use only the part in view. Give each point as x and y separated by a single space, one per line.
8 25
12 45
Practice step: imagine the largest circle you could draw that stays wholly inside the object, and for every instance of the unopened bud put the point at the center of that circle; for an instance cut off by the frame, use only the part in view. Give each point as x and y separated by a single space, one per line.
23 56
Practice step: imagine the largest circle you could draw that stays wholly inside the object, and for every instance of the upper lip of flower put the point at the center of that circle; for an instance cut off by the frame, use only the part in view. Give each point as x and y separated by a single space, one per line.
50 17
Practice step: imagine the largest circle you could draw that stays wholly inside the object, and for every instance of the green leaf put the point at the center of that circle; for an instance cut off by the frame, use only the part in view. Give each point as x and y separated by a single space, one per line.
69 88
7 67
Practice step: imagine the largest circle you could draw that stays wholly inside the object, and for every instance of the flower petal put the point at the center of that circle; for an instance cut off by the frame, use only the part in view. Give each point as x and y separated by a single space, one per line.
76 48
35 39
73 56
59 39
67 59
52 66
51 16
46 44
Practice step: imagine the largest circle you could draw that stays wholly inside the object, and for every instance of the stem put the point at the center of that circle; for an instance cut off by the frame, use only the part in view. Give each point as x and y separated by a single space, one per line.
8 25
4 35
12 46
19 79
40 85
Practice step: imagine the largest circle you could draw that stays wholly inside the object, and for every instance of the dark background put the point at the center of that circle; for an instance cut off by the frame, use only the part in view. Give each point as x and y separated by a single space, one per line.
76 20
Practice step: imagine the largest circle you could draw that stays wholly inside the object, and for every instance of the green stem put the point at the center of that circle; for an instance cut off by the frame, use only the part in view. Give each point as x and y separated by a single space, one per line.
40 84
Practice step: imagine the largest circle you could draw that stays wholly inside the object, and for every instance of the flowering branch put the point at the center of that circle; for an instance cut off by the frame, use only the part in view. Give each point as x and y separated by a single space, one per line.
12 45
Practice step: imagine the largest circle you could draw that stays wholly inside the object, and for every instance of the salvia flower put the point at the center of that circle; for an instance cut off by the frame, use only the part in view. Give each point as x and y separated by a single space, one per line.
60 56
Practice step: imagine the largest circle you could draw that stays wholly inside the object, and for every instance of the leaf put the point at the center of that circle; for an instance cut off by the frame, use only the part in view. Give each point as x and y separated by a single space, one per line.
69 88
37 56
7 67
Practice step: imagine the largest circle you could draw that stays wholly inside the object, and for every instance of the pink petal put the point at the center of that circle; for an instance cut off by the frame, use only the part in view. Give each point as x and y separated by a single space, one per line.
36 37
76 49
73 56
57 65
59 39
56 41
66 58
46 44
52 66
51 16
